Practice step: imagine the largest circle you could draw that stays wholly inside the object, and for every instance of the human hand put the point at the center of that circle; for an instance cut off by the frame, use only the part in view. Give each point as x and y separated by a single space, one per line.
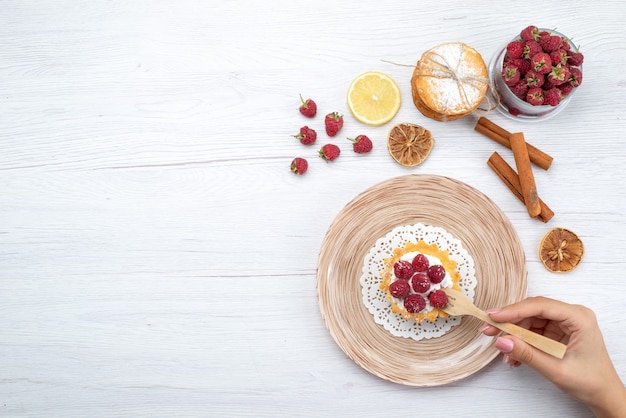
585 373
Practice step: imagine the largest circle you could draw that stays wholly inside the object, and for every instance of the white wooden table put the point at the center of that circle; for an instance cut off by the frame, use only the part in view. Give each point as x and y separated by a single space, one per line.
157 257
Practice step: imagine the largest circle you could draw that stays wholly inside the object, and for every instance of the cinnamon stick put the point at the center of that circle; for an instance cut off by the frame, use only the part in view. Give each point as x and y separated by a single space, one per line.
525 173
501 136
509 177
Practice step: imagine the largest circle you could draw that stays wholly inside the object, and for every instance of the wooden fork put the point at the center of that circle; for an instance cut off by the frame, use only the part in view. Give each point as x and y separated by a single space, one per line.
460 304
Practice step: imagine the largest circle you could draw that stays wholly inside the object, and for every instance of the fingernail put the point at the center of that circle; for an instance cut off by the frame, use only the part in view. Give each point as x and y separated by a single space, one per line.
484 327
504 344
493 310
506 358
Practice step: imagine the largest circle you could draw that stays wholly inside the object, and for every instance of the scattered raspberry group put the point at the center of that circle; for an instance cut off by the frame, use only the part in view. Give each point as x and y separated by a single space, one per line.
333 122
413 284
541 67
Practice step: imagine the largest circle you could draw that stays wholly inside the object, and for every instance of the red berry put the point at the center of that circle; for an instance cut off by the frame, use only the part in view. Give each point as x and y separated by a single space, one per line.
530 33
559 75
308 107
559 57
307 136
414 303
329 152
515 49
420 263
552 97
399 289
514 111
333 123
534 79
575 59
438 299
420 283
299 166
436 273
531 49
576 77
547 85
523 64
535 96
520 89
565 89
550 43
403 270
541 63
361 144
510 74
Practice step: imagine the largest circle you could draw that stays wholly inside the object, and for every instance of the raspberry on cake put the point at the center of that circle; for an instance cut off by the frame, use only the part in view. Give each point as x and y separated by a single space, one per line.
438 299
400 289
419 282
413 277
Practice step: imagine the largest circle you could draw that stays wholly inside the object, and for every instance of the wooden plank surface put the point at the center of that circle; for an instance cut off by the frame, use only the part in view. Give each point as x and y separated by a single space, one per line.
157 258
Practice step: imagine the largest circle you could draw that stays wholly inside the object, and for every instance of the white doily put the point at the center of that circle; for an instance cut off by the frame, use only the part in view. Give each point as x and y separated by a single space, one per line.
375 299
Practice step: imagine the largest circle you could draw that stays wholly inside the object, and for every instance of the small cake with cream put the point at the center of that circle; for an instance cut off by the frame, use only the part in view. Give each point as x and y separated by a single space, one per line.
414 277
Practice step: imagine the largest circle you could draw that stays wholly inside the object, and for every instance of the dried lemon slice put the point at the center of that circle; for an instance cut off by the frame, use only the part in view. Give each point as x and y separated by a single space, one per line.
374 98
561 250
409 144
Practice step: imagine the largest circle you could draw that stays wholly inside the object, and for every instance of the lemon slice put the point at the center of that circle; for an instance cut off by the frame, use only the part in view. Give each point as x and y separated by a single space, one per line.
409 144
374 98
561 250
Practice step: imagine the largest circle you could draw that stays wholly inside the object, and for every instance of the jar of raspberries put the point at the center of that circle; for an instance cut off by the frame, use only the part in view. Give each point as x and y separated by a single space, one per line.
535 75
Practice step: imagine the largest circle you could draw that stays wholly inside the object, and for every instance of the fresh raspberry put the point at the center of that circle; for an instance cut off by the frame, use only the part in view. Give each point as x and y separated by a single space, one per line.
420 283
438 299
535 79
403 269
547 85
361 144
436 273
515 49
565 89
559 57
531 49
550 43
559 75
575 59
400 289
514 111
543 33
308 107
414 303
510 75
523 64
333 122
535 96
299 166
541 63
576 77
329 152
307 136
420 263
552 97
530 33
520 90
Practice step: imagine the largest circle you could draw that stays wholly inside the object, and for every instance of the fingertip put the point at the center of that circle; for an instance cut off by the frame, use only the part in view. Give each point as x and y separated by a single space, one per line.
504 344
489 330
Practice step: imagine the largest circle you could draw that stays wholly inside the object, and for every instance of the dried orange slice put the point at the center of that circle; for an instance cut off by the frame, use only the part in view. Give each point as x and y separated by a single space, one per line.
409 144
561 250
374 98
